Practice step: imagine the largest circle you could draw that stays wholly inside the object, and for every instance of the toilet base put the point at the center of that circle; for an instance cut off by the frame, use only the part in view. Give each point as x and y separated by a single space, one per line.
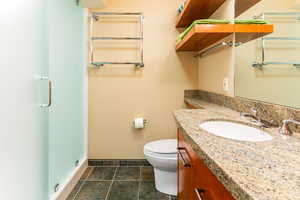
166 181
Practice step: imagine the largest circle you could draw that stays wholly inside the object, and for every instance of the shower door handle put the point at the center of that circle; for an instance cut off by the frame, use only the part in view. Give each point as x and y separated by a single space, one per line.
49 92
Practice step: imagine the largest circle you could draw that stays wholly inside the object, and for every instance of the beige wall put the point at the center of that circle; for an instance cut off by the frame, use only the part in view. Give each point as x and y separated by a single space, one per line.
274 83
118 94
214 67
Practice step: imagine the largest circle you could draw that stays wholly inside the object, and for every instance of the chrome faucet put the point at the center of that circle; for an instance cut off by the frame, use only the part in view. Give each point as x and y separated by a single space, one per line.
258 121
255 118
284 129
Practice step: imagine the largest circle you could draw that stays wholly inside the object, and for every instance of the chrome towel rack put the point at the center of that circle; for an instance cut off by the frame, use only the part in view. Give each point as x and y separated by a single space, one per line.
263 62
95 17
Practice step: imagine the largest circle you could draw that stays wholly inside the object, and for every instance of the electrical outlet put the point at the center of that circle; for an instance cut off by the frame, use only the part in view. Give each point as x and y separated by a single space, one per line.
226 84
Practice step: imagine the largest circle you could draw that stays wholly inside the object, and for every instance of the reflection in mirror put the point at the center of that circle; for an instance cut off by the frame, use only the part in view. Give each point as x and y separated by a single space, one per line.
268 69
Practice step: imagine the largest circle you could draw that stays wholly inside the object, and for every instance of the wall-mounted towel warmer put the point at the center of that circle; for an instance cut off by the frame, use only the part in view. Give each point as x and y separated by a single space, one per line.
263 39
95 17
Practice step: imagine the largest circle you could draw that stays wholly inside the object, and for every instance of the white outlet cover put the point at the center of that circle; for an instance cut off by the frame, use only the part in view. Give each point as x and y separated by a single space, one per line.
226 84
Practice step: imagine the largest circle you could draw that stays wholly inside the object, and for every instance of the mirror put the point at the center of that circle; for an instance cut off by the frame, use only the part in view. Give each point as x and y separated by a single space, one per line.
268 69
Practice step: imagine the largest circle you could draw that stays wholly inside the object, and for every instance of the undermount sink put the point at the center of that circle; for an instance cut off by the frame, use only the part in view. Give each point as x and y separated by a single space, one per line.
235 131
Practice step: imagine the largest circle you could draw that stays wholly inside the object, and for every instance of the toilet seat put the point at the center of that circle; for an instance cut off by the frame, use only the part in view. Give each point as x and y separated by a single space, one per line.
162 149
160 155
162 146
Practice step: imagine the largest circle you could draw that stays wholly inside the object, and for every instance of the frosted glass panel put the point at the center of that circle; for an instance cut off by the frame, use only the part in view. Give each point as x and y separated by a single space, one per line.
23 130
67 72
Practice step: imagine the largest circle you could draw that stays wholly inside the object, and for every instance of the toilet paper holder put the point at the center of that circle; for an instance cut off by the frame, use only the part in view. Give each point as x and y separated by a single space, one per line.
145 122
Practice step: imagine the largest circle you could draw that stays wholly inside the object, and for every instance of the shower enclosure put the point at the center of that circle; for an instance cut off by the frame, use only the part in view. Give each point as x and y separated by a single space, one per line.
42 132
66 71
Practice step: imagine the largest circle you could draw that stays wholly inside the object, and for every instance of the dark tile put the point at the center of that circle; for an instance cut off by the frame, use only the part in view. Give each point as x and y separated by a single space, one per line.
86 173
117 162
134 162
124 190
104 162
102 173
147 173
95 162
128 173
149 192
75 191
146 163
174 197
111 163
162 196
96 190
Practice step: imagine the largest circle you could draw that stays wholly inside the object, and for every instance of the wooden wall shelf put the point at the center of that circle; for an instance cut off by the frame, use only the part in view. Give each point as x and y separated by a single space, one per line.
205 35
197 9
247 32
203 9
243 5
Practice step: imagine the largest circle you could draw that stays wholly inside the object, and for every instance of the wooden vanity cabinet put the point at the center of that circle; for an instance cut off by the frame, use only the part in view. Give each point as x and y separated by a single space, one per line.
195 180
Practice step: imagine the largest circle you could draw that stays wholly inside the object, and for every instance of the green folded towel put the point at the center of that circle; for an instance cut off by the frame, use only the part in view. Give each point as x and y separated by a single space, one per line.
216 21
250 21
200 21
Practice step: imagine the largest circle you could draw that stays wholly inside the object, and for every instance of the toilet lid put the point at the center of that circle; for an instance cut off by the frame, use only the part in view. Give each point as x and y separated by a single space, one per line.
162 146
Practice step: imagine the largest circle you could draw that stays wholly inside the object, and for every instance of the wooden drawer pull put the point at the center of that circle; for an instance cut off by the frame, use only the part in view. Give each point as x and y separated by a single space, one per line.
199 193
183 160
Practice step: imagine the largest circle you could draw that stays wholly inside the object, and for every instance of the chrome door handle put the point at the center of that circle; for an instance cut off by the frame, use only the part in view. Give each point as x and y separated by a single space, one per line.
198 193
185 163
49 92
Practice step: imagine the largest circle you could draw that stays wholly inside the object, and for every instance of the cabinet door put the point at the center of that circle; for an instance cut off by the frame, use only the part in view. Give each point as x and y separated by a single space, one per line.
195 180
207 185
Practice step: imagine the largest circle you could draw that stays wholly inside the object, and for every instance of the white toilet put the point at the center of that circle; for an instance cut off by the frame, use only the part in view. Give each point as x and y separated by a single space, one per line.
162 155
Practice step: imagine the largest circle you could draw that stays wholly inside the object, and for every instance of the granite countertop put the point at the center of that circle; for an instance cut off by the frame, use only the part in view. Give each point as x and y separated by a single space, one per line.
249 170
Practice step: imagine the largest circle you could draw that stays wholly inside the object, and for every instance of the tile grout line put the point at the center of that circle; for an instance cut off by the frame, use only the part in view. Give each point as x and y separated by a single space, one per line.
92 169
110 186
140 182
83 182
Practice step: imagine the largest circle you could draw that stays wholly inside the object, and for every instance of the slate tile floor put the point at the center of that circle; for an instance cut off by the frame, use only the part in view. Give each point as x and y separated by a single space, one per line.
117 183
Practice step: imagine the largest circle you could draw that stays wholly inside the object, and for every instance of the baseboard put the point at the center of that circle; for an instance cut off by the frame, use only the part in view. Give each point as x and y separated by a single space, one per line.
118 162
70 183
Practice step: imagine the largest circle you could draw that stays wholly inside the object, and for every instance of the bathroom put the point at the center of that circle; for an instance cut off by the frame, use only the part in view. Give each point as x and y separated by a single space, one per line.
150 100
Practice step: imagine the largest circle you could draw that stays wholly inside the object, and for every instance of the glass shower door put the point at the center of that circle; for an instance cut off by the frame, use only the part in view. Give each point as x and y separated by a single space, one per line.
66 70
24 124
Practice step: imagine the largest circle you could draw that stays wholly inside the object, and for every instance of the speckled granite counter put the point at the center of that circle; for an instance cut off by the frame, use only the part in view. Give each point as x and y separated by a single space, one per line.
250 171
